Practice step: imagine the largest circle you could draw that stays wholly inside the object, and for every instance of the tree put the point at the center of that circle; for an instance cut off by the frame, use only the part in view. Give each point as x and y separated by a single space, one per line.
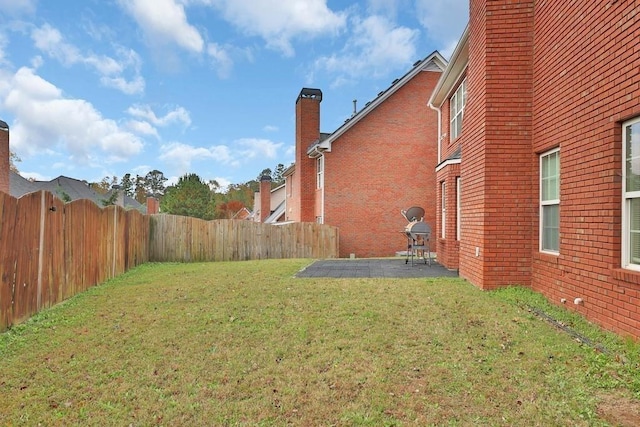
154 182
13 159
104 185
139 191
191 196
228 209
278 179
127 185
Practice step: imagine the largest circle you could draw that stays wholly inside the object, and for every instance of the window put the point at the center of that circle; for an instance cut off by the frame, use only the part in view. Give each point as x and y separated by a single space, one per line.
550 202
631 194
458 208
443 215
456 109
320 171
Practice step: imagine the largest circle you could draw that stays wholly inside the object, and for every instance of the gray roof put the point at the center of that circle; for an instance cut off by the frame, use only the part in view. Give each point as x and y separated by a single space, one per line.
63 185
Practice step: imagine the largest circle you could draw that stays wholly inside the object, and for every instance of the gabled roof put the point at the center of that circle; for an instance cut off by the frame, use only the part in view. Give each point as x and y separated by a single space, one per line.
455 68
433 62
276 214
63 185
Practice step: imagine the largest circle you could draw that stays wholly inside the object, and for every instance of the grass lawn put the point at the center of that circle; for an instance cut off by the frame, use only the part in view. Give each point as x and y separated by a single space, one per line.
246 343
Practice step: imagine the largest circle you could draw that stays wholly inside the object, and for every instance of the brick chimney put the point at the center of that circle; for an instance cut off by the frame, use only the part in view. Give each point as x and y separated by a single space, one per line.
4 157
265 197
153 205
307 132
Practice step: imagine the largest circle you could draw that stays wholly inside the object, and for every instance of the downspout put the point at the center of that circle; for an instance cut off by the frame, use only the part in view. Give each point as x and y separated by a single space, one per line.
439 129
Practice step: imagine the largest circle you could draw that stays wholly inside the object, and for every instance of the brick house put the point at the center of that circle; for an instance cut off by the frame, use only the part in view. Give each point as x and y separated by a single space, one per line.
379 162
538 182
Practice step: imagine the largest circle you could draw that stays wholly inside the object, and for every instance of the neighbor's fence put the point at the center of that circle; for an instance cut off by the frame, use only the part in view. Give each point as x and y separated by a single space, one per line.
50 251
183 239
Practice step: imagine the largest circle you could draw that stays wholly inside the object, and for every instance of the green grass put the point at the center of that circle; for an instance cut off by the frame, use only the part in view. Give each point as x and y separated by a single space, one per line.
246 343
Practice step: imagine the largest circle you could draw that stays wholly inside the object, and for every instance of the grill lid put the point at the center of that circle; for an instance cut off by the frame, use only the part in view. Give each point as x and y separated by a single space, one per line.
417 228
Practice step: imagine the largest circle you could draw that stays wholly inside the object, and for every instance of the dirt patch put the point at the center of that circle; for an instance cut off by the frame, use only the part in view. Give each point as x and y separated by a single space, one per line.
619 410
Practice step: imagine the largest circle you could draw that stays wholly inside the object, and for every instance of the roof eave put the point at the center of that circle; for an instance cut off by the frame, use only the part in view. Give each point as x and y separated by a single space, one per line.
435 57
457 65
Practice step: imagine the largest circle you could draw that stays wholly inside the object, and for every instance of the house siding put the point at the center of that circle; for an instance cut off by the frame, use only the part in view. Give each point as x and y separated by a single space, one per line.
380 166
587 82
497 205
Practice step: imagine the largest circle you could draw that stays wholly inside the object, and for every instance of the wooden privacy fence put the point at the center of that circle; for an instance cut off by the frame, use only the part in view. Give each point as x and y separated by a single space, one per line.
50 251
184 239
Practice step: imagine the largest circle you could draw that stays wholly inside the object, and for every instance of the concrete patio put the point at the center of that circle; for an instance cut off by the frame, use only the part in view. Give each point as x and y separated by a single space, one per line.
375 267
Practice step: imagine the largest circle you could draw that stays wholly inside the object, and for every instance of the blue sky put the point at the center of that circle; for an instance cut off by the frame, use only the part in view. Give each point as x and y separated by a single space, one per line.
95 88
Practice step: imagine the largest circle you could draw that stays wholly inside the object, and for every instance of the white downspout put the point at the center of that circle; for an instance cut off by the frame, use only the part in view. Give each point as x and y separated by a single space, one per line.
439 130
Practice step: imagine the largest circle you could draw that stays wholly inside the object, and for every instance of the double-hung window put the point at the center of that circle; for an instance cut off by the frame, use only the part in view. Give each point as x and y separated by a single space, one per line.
443 215
550 202
320 172
456 109
631 194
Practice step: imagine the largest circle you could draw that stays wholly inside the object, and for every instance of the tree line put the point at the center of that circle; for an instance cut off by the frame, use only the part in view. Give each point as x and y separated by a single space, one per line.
190 196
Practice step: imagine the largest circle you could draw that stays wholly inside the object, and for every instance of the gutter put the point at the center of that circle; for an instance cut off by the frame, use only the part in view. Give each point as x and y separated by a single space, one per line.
439 142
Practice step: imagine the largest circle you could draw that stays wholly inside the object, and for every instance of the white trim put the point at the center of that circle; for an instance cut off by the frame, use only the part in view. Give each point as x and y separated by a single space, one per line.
550 202
455 68
458 210
433 62
443 209
447 163
626 199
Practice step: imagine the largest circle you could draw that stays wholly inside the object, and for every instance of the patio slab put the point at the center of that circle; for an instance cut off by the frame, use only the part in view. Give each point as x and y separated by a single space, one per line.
375 267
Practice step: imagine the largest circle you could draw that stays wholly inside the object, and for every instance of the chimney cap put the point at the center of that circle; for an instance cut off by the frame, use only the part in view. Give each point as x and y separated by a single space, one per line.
310 93
265 178
4 125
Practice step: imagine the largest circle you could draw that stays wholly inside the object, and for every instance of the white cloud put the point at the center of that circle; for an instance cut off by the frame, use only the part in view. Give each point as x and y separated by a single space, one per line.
145 112
50 41
278 22
444 20
142 128
181 155
164 22
270 128
260 148
44 118
375 48
221 60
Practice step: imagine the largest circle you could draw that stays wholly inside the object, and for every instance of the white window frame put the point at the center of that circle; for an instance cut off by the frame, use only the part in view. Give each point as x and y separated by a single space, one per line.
443 214
320 172
544 204
458 208
629 155
456 110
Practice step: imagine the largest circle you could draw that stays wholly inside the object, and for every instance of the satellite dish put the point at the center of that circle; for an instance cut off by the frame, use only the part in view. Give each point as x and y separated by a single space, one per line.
415 213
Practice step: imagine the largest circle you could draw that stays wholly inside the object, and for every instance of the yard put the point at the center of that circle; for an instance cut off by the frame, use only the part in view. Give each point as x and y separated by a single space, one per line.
247 343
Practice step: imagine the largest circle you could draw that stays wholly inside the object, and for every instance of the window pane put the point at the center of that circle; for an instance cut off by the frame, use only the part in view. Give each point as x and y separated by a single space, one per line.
634 231
632 153
551 228
550 173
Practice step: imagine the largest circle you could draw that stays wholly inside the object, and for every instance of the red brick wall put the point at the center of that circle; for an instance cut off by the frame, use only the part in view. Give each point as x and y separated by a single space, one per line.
383 164
448 248
497 205
265 198
304 177
4 161
587 82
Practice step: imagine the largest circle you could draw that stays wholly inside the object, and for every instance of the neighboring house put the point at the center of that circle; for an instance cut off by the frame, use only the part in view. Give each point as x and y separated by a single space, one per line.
268 203
243 213
68 189
538 182
379 162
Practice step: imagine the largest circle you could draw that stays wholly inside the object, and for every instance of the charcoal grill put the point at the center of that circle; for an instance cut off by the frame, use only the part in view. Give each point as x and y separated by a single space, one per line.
418 234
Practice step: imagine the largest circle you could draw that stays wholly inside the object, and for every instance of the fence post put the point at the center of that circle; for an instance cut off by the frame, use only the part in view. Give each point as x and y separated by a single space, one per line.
115 236
41 251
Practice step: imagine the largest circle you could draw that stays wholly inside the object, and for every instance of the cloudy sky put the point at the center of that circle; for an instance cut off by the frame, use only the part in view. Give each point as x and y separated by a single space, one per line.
95 88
